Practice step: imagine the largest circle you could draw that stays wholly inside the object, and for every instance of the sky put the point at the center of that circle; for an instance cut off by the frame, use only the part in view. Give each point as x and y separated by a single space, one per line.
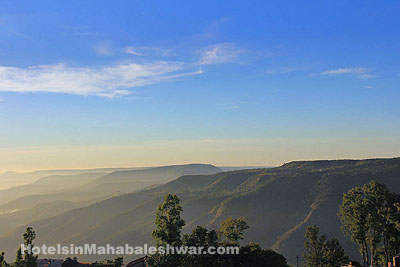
87 84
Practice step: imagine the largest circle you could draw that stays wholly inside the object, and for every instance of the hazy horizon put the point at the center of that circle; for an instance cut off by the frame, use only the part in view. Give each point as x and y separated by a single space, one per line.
24 171
133 167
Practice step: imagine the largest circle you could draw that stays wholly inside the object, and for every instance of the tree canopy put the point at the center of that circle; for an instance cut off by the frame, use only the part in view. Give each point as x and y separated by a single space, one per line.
169 222
370 216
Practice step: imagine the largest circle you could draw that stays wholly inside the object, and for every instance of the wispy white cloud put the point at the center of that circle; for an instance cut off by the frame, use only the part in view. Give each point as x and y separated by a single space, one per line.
361 73
345 71
106 81
147 51
219 53
114 79
133 51
229 106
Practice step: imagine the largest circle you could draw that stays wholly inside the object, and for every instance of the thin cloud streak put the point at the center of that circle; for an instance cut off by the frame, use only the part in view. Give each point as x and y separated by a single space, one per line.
219 54
107 81
142 51
361 73
229 106
133 51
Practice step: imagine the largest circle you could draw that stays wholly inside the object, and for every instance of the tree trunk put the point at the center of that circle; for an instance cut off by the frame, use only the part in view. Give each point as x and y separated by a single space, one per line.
366 253
363 254
386 244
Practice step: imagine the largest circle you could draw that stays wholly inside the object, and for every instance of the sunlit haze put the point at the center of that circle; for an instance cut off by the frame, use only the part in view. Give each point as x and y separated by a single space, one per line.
127 83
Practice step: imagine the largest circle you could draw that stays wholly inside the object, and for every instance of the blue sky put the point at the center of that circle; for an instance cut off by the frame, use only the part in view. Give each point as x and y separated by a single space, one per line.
134 83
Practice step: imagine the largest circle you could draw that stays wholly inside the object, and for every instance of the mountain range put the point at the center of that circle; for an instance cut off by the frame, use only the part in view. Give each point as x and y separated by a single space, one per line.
55 194
278 204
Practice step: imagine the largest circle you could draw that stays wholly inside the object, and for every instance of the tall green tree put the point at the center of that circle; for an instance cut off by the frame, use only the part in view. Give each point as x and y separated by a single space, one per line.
169 223
390 217
29 258
168 231
353 215
396 220
314 247
19 260
369 216
321 251
380 205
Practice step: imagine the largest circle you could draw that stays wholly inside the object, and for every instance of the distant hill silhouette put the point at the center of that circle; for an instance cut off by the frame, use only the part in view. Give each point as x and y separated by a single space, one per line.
55 194
11 178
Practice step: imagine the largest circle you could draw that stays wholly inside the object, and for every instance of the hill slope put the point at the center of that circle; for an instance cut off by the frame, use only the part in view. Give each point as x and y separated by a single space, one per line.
10 179
86 186
157 174
278 204
53 184
56 194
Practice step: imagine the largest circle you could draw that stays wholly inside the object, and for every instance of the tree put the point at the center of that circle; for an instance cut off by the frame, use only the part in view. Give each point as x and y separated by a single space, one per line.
396 221
201 237
169 222
369 216
252 255
68 262
231 231
384 218
314 247
3 262
29 258
19 261
168 231
376 202
118 261
353 215
321 251
334 253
